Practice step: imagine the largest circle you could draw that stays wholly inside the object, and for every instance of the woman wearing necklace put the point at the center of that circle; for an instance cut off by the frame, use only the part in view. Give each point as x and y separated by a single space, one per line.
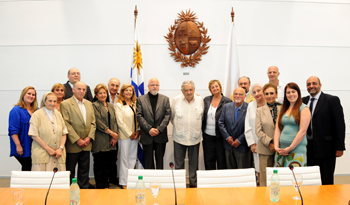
213 148
290 134
49 133
249 125
129 131
59 90
265 122
106 136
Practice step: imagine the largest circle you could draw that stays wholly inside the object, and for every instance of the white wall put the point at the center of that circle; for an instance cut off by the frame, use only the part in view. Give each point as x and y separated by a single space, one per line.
41 40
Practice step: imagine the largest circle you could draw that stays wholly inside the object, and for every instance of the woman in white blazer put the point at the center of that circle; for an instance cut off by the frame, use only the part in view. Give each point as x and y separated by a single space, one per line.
249 125
129 131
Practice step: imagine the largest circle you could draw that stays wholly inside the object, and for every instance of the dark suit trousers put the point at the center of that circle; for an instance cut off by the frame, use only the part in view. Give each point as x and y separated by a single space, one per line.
327 165
113 166
83 160
26 163
237 160
154 151
102 161
179 156
214 152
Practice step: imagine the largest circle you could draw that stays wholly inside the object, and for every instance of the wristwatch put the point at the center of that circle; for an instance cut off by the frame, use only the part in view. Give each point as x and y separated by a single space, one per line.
110 132
62 148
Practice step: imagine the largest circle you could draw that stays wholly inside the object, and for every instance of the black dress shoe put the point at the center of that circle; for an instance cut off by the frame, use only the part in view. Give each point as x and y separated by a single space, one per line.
91 186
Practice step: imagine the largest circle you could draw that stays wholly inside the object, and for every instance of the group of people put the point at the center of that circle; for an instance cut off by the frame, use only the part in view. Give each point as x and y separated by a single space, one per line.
258 126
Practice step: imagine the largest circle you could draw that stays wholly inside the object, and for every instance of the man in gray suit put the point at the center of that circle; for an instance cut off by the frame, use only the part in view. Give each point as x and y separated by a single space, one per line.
79 117
153 115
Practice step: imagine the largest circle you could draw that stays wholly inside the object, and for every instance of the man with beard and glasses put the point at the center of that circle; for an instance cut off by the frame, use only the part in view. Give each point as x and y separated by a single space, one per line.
153 114
244 82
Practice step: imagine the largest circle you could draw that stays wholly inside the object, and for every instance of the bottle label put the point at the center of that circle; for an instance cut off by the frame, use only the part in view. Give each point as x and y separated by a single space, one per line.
139 198
275 191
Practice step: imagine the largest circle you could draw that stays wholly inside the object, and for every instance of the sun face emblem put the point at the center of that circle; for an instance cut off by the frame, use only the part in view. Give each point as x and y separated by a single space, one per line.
137 57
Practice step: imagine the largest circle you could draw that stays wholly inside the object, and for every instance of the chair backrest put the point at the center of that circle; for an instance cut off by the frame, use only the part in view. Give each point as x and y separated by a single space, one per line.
226 178
164 176
311 175
39 180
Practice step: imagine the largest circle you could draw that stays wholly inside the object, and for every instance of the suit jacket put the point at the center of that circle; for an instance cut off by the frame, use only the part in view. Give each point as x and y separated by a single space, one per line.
250 98
207 101
230 127
76 126
328 126
147 119
69 92
265 129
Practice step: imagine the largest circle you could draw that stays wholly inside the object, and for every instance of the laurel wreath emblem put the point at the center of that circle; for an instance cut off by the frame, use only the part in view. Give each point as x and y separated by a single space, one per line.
193 59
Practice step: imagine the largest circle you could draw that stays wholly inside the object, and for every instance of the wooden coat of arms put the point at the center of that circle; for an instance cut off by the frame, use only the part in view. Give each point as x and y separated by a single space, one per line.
187 39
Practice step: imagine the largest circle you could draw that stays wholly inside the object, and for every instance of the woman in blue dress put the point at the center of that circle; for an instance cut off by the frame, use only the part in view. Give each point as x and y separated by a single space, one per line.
292 123
20 141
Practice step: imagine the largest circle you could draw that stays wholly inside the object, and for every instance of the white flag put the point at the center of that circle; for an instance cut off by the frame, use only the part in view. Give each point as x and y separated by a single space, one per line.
232 69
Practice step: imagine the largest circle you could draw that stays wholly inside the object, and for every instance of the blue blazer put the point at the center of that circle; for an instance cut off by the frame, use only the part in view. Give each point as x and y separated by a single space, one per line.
230 127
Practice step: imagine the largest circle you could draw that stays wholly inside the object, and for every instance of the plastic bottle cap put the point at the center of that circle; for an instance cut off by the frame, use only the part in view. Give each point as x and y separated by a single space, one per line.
140 177
74 180
275 171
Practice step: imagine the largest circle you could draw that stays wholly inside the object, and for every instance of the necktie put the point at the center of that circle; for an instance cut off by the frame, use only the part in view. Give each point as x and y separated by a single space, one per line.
236 113
309 130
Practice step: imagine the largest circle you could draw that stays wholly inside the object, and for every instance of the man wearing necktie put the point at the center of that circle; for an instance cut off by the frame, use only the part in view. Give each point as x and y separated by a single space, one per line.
326 132
231 123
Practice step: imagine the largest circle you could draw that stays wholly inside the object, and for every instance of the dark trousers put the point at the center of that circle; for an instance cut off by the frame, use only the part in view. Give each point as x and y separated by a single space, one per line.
112 176
102 161
327 165
237 160
83 160
214 152
26 163
154 151
180 154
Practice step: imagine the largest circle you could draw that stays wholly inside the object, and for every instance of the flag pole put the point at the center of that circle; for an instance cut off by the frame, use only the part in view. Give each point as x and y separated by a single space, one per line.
135 14
233 15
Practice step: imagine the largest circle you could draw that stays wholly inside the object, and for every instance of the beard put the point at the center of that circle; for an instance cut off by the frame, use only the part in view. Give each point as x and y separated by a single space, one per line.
154 92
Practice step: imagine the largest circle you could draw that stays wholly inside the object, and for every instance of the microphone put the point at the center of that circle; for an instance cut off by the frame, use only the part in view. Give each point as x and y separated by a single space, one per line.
54 172
291 167
171 164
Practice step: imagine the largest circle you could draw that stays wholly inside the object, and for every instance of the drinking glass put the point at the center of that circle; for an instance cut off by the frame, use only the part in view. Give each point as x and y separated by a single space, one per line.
155 189
18 196
299 180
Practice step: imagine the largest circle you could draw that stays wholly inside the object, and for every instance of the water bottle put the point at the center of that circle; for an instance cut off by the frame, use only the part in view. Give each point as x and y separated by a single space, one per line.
140 194
74 193
275 187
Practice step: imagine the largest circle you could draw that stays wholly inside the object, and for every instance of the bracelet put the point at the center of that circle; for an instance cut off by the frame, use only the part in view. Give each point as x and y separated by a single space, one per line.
110 132
62 148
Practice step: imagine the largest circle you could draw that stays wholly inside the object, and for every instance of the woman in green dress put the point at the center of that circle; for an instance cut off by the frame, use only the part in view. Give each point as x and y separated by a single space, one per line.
290 134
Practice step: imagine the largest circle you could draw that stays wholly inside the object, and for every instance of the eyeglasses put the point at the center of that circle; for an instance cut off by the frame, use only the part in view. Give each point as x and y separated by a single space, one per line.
75 73
240 94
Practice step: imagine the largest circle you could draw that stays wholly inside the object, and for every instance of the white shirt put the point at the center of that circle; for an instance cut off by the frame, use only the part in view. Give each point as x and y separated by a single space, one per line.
210 128
315 102
81 107
187 120
71 85
280 92
49 113
113 101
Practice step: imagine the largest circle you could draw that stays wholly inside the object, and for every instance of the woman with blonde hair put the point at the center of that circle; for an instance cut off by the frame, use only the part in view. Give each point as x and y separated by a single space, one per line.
129 131
20 142
60 91
49 132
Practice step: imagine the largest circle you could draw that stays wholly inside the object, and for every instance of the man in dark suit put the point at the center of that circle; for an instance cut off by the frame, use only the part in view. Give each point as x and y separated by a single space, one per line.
73 77
231 123
153 115
326 132
79 117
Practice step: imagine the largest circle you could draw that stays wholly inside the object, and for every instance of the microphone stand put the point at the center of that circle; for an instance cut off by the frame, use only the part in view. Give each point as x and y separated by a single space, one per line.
172 171
291 167
54 172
